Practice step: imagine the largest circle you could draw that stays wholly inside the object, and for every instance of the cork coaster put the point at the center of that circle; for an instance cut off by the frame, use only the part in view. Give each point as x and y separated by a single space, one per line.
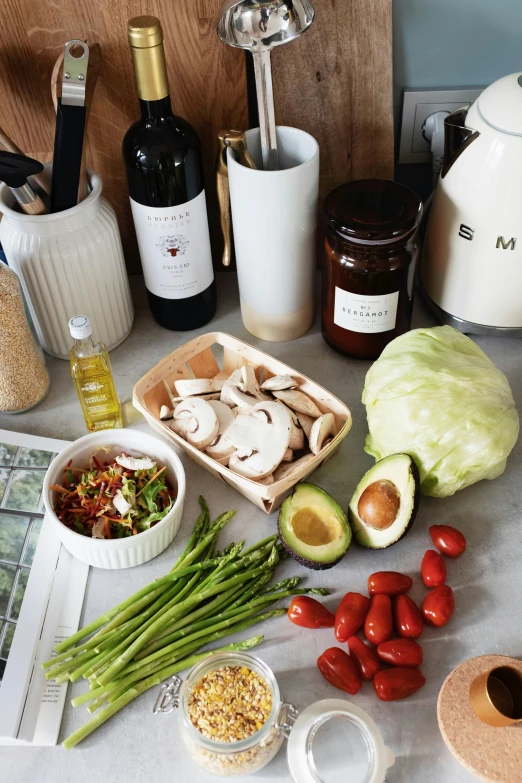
492 754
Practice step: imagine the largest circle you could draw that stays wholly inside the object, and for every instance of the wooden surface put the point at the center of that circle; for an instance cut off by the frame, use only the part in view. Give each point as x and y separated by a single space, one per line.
493 754
334 82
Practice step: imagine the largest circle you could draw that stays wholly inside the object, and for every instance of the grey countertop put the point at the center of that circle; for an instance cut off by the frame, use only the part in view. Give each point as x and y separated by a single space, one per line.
134 745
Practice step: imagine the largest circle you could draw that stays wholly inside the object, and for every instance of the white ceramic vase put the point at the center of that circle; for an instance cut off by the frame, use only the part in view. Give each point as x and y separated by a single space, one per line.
70 263
274 217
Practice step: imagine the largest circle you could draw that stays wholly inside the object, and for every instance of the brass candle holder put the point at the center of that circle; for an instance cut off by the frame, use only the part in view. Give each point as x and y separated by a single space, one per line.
496 696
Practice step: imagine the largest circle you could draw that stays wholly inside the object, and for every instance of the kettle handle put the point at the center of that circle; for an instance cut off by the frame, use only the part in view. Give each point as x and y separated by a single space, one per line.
457 137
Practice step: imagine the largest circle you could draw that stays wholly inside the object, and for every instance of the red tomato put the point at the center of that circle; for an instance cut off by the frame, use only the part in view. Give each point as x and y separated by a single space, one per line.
339 669
389 583
408 617
378 626
365 658
400 652
350 615
448 540
438 606
398 683
309 613
433 569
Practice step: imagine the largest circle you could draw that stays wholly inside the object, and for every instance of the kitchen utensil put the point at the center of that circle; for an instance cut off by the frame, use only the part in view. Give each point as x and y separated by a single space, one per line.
199 358
274 216
472 267
368 301
14 171
332 737
236 141
69 262
70 128
259 27
93 71
7 144
492 753
117 552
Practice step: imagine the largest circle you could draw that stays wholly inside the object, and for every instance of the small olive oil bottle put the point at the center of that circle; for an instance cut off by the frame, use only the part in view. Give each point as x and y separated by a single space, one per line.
92 376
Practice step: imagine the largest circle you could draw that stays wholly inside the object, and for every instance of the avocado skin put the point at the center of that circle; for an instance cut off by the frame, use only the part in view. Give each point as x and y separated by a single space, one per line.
316 565
416 499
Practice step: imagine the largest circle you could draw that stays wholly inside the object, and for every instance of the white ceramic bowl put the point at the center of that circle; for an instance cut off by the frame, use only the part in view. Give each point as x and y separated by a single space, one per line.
118 552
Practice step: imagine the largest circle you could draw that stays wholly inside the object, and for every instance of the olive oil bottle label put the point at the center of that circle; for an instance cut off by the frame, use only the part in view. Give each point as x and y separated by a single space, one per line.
174 248
367 314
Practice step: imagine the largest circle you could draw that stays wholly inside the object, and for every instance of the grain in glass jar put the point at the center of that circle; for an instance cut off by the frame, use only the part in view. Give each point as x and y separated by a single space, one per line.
24 381
370 254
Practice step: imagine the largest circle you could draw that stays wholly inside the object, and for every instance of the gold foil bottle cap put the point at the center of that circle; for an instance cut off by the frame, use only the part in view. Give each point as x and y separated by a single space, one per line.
144 32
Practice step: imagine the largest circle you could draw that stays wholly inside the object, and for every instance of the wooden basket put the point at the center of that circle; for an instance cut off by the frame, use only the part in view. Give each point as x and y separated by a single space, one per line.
204 357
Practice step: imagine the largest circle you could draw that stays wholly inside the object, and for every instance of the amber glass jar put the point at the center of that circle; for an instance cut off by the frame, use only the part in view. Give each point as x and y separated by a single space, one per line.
370 255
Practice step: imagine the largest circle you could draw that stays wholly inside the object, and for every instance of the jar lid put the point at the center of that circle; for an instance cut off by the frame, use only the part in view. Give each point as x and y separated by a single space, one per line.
80 327
373 211
334 741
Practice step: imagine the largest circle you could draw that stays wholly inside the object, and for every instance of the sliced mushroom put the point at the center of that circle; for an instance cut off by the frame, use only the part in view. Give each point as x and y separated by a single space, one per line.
245 400
193 387
181 426
286 468
236 411
279 382
305 422
297 437
298 401
267 436
222 375
119 503
323 430
207 397
203 420
220 446
222 460
229 384
135 463
165 413
267 480
288 456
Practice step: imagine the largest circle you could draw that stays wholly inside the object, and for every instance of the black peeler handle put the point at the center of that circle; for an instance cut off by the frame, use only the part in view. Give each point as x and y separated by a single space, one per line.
67 159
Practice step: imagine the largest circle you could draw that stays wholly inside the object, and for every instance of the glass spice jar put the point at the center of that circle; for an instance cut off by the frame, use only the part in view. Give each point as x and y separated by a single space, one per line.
370 254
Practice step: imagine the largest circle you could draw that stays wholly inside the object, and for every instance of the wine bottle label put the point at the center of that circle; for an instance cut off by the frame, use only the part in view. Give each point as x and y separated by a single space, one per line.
174 248
368 314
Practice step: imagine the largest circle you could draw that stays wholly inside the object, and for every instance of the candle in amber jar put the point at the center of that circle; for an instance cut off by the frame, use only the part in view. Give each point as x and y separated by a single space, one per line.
369 260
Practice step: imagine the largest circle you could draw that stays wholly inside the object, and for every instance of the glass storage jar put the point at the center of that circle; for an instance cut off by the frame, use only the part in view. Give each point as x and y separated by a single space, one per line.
331 741
370 255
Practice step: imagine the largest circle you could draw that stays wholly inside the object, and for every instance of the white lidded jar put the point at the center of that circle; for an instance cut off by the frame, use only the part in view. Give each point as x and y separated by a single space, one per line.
69 262
331 741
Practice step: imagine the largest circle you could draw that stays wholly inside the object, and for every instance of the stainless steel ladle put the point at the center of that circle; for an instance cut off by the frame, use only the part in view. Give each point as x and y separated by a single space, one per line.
259 26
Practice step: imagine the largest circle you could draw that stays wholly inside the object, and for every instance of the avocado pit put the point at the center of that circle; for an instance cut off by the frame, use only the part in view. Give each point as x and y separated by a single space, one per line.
379 504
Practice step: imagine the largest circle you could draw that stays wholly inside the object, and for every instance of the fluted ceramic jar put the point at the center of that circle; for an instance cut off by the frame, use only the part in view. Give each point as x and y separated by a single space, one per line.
70 262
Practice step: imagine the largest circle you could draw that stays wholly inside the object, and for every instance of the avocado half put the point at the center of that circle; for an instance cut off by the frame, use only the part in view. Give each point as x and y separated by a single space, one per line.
313 528
385 502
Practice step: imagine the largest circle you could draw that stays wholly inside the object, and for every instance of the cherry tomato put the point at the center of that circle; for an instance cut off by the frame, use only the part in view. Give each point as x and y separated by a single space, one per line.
389 583
398 683
309 613
339 669
400 652
408 617
350 615
438 606
433 569
448 540
365 658
378 626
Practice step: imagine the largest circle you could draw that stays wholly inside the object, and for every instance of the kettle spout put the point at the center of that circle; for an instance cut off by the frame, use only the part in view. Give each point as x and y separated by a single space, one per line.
456 138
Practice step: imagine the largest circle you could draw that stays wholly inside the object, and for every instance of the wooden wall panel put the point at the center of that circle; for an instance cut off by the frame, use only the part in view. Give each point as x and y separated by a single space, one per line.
207 81
335 82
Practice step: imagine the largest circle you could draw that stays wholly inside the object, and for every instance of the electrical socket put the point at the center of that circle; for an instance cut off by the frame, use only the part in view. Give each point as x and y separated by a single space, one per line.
417 106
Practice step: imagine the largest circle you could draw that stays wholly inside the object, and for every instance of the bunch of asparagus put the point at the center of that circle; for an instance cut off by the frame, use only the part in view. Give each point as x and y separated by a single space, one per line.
157 631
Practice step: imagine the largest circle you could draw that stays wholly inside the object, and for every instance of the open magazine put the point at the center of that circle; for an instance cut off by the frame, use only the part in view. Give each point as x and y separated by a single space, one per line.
41 593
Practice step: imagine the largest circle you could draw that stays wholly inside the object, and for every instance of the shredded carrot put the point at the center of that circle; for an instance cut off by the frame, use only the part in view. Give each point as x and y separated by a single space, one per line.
155 476
58 488
107 528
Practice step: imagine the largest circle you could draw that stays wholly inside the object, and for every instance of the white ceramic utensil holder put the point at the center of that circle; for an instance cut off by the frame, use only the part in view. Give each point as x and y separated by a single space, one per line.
274 218
70 262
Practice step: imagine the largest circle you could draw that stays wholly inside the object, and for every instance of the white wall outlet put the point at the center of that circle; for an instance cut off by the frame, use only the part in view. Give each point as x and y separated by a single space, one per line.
417 106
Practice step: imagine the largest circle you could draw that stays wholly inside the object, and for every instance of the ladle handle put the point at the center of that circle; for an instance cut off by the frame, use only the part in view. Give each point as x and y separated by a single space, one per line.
265 106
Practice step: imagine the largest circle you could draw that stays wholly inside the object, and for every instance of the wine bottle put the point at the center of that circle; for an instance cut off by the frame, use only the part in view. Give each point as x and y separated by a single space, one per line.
163 163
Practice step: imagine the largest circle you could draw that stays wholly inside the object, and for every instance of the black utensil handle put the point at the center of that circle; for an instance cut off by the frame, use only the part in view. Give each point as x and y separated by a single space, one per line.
67 159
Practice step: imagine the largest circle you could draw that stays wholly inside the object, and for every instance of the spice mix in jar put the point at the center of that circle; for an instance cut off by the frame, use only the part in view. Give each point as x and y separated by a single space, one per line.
370 254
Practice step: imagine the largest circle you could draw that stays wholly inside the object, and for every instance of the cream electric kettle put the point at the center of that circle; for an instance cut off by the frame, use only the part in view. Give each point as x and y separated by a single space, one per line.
471 273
